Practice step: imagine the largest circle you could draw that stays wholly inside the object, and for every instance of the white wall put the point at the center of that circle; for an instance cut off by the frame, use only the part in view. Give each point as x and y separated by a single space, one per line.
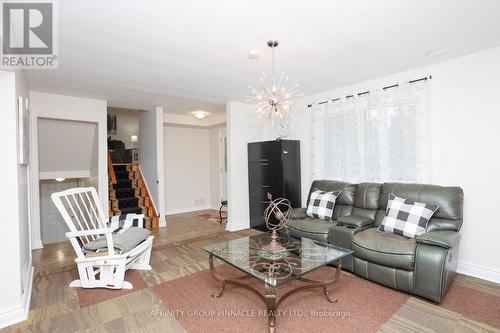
24 206
127 124
15 236
214 166
60 107
187 169
151 156
464 120
75 156
216 119
243 127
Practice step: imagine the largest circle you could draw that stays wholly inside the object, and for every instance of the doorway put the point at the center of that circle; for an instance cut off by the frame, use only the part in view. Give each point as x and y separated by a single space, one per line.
67 158
53 225
223 164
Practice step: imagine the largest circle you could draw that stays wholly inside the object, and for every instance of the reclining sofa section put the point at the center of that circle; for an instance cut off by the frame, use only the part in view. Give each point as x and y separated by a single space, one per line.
424 266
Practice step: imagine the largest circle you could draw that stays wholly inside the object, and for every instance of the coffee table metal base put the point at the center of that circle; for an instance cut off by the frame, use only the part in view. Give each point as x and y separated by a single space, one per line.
270 299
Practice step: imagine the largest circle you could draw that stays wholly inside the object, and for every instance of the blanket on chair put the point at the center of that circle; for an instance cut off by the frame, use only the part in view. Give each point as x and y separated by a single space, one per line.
123 242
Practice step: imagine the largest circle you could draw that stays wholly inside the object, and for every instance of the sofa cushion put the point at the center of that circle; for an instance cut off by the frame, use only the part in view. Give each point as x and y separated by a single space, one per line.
299 213
354 221
344 202
321 204
449 216
407 217
311 225
367 196
123 242
449 199
346 196
385 249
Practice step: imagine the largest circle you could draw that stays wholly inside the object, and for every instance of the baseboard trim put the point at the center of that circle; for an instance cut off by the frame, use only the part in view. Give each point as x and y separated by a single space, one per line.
19 313
28 291
236 227
187 210
37 244
478 271
12 316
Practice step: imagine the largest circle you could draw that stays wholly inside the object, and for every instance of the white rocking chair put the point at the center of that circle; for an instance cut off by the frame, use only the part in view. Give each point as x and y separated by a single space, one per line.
81 209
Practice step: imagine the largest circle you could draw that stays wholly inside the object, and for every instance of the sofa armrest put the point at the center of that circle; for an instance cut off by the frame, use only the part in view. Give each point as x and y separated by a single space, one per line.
299 213
444 238
355 221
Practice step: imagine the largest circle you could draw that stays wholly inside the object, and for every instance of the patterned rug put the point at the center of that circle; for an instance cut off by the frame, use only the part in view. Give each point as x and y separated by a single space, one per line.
210 217
179 281
363 306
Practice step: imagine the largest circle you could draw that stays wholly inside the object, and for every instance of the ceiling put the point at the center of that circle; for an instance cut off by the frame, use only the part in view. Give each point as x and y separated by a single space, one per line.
192 54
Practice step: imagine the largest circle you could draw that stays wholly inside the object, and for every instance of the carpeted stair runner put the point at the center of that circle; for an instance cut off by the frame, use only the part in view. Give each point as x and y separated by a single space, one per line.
124 195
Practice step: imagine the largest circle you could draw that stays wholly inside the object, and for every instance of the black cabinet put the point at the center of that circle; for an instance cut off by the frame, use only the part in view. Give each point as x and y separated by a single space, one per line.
273 167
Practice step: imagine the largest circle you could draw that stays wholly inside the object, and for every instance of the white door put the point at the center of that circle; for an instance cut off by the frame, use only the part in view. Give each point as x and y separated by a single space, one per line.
223 163
53 225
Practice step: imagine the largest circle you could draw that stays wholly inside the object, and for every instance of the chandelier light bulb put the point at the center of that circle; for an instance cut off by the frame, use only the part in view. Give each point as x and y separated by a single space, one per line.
274 99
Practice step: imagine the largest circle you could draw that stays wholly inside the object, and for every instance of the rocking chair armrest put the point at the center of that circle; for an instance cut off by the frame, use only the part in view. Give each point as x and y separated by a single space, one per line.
107 232
127 223
140 218
130 220
101 231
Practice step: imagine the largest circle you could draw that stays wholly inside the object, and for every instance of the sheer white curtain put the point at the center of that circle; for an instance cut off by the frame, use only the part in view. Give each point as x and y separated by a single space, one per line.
380 136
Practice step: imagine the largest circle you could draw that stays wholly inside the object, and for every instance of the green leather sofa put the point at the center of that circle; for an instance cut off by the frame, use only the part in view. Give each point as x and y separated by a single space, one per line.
424 266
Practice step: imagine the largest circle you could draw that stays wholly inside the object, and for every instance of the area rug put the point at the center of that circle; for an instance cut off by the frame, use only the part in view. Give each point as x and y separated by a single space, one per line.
87 297
209 217
362 307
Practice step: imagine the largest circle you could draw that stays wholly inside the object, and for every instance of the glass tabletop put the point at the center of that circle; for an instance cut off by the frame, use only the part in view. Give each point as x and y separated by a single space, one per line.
290 258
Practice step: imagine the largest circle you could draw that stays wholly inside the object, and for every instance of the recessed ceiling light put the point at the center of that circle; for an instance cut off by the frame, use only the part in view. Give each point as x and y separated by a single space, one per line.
253 54
200 114
443 50
60 179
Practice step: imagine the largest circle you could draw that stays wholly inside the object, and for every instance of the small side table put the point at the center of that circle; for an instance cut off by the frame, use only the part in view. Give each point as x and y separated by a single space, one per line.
223 204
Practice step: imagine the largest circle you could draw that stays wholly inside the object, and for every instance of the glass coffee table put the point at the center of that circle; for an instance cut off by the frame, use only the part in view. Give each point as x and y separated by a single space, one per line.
298 257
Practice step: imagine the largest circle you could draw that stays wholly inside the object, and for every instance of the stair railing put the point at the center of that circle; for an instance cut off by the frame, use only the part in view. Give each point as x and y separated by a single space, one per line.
111 170
148 201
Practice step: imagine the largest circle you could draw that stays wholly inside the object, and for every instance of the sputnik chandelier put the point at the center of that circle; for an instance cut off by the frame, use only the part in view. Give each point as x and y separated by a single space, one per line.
274 101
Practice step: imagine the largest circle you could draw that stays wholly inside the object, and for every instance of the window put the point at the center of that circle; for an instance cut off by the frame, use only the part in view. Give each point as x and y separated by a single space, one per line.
378 137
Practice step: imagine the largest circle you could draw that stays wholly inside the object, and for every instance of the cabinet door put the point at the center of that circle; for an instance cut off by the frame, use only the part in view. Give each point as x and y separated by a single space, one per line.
257 221
259 191
257 208
291 172
264 172
264 151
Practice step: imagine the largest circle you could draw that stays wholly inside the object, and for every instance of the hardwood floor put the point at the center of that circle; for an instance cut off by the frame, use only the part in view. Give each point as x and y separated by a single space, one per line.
176 252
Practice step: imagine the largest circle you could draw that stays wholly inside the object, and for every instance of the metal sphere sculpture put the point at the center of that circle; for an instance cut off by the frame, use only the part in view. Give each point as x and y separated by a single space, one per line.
275 208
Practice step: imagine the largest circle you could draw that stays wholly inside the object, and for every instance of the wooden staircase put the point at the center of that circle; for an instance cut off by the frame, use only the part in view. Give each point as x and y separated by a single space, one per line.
135 191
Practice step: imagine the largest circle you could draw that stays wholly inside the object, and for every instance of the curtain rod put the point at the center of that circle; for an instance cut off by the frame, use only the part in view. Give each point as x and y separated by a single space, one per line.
367 92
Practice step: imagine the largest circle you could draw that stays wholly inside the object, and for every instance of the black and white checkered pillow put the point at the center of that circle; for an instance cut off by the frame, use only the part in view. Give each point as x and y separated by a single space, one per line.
321 204
406 217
